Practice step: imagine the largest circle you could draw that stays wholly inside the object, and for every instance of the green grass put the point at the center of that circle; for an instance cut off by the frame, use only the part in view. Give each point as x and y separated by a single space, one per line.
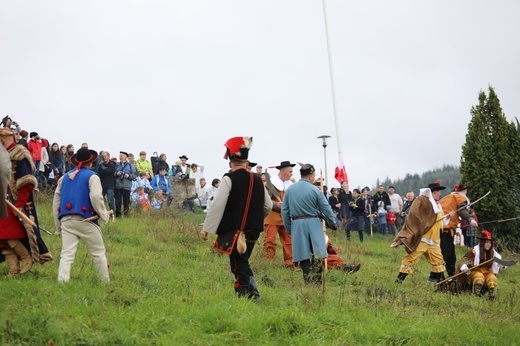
168 287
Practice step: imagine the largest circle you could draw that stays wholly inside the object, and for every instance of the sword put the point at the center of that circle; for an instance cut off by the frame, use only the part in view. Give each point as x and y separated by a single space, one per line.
494 259
43 229
467 205
24 218
470 204
20 214
270 187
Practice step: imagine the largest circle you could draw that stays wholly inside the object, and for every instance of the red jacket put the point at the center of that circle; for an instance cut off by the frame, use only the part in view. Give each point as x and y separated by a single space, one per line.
390 218
35 148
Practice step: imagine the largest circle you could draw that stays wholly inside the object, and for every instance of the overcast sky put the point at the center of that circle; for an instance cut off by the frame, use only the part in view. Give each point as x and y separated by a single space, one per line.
181 77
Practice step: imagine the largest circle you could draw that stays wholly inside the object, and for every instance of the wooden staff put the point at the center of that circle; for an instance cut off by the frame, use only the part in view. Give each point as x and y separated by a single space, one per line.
20 214
323 224
95 217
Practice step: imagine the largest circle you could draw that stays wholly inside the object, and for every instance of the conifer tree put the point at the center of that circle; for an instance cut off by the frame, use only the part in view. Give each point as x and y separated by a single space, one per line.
490 161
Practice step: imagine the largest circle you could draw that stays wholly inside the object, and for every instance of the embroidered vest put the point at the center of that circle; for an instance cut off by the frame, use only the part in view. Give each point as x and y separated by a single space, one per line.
235 206
75 199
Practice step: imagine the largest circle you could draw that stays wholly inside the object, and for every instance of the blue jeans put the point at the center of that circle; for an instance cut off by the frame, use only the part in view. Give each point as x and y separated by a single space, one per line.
37 165
382 228
392 229
110 197
471 241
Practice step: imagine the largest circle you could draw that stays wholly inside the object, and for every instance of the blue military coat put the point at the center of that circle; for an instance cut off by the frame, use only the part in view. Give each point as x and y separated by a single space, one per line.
302 204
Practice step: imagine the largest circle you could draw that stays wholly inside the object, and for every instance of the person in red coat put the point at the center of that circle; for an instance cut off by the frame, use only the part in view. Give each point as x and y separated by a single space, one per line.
336 262
15 244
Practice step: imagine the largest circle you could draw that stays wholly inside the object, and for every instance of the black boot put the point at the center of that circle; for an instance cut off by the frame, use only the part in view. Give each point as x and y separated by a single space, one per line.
435 277
253 290
316 271
351 268
306 270
400 278
242 291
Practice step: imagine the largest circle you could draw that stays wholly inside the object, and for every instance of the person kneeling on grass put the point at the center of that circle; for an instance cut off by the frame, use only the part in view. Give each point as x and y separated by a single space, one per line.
483 278
336 262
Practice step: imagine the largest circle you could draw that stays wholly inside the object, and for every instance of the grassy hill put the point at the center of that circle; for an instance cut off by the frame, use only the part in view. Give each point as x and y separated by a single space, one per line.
169 288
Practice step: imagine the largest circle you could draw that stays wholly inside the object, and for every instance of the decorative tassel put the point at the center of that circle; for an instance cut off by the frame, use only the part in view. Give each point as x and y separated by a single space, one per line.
241 243
73 174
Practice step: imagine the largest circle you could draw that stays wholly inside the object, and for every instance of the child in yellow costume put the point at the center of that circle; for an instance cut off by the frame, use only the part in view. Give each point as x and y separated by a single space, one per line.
482 278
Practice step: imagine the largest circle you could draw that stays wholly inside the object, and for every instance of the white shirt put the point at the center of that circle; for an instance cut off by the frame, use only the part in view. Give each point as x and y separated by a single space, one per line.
396 202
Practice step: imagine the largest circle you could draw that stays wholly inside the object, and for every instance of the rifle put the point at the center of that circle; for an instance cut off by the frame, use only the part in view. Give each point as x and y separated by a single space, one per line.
494 259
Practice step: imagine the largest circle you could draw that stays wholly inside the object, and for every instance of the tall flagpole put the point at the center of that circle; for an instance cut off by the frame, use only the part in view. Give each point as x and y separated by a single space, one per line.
331 72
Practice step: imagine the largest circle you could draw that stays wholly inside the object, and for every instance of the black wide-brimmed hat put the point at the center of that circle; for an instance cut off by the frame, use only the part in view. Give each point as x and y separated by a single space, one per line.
284 164
436 186
83 156
460 187
183 157
252 164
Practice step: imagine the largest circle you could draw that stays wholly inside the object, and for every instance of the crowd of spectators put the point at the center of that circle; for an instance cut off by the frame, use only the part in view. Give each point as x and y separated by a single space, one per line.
127 182
384 212
146 183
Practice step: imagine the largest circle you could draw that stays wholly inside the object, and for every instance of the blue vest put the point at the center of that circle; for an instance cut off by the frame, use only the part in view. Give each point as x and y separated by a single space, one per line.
75 199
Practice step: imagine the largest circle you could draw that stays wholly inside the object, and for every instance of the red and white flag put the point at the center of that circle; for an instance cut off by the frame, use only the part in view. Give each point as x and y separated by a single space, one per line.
341 174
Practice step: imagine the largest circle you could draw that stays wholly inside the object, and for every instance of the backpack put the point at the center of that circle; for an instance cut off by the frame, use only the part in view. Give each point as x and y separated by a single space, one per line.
154 158
188 205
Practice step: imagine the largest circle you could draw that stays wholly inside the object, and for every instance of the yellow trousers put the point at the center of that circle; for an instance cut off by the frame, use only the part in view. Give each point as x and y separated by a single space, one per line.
479 276
432 253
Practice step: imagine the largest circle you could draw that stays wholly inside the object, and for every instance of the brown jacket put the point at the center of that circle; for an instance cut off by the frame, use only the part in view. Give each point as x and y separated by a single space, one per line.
418 221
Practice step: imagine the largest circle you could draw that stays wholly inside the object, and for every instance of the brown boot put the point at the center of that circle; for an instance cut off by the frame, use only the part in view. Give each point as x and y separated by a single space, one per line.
22 252
13 262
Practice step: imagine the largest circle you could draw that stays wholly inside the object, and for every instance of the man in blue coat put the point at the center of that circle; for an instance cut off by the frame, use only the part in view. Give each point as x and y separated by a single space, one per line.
302 206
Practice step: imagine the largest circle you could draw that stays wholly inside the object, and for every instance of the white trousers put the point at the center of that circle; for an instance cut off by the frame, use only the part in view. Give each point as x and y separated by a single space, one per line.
72 230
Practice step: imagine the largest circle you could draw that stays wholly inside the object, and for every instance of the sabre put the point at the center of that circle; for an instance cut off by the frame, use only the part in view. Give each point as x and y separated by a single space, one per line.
23 217
43 229
270 187
494 259
467 205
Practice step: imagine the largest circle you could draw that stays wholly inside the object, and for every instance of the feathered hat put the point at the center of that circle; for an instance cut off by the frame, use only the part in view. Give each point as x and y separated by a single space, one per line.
237 148
486 235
